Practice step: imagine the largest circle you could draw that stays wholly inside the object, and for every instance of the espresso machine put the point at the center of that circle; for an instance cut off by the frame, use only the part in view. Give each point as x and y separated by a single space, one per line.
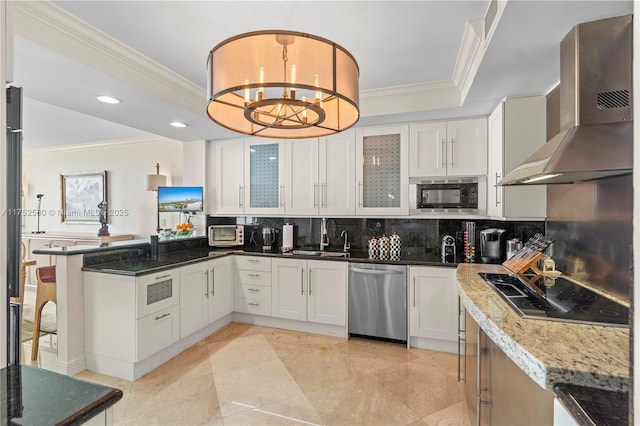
493 245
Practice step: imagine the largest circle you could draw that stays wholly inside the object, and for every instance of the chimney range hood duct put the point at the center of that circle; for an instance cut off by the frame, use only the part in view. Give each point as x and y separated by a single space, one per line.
595 109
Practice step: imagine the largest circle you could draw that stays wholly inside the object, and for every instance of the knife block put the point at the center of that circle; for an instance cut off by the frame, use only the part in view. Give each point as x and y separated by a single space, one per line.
524 266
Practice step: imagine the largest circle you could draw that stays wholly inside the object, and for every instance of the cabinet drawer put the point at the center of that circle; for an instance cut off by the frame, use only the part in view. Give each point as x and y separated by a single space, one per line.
157 291
254 292
157 331
254 263
255 278
253 306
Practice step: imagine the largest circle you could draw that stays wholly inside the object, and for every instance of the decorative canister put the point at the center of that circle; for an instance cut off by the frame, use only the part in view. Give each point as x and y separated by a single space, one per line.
383 247
395 246
373 248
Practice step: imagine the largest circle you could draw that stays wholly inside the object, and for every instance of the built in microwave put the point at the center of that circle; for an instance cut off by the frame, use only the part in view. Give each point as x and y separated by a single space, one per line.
447 195
226 235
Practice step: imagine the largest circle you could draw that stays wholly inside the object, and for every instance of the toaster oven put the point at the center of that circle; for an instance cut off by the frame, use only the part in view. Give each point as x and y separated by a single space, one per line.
226 235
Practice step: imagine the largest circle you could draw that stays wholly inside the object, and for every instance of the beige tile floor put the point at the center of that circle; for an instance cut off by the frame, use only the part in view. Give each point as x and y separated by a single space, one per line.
250 375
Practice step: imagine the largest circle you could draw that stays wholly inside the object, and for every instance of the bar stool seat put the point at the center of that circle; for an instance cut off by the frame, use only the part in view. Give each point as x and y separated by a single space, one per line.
45 292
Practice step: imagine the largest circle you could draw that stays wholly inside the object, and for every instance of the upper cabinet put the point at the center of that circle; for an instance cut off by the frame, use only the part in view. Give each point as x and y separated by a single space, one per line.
517 128
451 148
319 175
264 176
228 173
382 178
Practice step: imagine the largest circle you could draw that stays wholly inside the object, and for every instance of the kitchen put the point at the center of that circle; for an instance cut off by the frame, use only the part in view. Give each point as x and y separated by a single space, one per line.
54 189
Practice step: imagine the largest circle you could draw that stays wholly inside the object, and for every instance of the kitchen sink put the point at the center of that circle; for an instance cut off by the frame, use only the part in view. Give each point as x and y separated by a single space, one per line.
319 253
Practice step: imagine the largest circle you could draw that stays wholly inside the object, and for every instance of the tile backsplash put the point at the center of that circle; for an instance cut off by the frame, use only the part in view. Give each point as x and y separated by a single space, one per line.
418 234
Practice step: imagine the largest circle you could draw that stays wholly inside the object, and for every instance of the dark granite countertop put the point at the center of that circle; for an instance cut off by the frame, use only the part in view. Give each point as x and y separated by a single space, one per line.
137 266
591 406
41 397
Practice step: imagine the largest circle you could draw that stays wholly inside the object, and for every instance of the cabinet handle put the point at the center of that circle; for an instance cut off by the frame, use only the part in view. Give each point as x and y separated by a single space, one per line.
360 193
324 195
443 158
163 316
460 340
163 277
253 260
206 293
451 152
496 186
213 283
240 195
253 289
414 292
316 194
253 275
253 304
302 281
309 281
281 195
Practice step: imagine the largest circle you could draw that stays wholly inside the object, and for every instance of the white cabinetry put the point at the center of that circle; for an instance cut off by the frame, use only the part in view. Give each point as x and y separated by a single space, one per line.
451 148
206 294
517 127
264 176
253 291
129 319
433 308
228 173
382 176
310 290
319 175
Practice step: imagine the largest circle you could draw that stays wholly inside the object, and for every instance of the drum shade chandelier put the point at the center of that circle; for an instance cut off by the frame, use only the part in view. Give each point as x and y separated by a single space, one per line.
282 84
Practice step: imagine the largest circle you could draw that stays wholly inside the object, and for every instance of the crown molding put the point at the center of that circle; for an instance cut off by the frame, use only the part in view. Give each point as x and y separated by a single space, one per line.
51 26
409 98
103 144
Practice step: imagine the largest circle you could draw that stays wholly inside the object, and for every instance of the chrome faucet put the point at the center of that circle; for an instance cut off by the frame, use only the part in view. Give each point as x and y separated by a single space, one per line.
346 246
324 237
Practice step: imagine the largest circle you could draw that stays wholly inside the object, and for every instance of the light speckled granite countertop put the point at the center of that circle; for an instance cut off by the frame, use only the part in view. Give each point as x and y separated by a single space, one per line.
548 351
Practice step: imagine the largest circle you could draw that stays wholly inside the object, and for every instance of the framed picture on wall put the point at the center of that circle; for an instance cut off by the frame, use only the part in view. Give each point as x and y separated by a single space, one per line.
82 193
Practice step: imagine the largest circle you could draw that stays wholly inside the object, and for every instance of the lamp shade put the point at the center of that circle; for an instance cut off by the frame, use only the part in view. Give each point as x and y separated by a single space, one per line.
282 84
154 181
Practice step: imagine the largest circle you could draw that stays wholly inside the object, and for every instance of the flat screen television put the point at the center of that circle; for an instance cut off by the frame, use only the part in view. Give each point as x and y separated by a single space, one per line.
179 199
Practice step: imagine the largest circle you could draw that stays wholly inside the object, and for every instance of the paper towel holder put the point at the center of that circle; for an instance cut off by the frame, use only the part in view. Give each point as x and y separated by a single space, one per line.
287 238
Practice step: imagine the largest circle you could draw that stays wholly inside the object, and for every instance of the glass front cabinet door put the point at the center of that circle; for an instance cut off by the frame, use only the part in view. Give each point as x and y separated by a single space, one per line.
264 176
382 176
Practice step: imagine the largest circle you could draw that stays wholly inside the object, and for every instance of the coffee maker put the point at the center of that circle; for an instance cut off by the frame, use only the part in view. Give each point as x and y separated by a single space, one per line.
493 245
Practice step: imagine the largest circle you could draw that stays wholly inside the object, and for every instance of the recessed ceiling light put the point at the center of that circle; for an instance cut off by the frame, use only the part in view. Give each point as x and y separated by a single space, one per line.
108 100
178 124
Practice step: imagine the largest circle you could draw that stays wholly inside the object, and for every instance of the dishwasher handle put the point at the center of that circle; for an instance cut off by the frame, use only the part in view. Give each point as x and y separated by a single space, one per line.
375 271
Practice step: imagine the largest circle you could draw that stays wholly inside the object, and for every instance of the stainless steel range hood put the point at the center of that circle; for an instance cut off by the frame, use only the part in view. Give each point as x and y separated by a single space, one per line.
595 109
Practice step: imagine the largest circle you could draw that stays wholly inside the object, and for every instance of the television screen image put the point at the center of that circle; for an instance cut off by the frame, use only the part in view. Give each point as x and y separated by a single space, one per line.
179 199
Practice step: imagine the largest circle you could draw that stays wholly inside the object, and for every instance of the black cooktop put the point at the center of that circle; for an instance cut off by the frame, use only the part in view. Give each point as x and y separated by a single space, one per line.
559 300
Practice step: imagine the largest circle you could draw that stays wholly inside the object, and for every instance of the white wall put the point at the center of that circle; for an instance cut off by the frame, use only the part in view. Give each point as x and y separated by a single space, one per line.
127 164
194 158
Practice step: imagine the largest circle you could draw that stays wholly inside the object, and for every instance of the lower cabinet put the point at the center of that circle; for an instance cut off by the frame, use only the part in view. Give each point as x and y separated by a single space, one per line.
309 290
433 307
206 294
497 391
130 318
253 291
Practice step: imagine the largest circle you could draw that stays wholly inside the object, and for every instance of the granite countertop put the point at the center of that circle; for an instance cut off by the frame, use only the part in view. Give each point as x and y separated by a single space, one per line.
137 266
589 406
549 352
38 397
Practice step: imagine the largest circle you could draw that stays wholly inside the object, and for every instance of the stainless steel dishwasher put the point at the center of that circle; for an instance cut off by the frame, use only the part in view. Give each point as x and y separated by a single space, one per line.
378 301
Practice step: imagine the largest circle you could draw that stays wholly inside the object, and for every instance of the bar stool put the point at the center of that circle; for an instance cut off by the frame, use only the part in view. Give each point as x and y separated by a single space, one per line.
45 292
